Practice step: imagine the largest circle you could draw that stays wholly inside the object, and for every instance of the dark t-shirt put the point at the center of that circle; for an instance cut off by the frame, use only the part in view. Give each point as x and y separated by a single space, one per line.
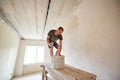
54 38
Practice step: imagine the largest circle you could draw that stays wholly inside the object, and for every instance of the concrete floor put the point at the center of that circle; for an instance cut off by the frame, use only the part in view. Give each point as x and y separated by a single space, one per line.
35 76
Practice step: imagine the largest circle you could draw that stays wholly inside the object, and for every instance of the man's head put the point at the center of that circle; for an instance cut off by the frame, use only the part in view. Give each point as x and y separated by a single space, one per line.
60 30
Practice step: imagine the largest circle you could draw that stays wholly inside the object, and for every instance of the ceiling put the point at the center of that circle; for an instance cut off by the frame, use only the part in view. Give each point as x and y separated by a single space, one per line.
32 19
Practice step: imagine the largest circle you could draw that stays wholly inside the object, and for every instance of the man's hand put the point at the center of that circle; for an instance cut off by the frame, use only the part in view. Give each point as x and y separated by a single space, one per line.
58 52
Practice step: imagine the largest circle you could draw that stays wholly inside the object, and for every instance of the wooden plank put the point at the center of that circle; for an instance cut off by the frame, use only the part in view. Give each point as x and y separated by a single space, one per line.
53 74
69 73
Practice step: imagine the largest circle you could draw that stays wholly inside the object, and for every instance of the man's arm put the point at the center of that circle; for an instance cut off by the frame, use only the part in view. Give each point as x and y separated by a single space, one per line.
60 46
48 39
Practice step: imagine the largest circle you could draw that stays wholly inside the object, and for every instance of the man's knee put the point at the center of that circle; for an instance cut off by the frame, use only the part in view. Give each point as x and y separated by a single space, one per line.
51 49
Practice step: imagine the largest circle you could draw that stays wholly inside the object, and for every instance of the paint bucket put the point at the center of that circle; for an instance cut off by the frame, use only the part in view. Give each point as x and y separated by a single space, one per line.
58 62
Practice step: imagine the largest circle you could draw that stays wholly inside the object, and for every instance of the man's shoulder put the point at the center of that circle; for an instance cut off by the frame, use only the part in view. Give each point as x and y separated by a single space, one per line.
60 37
51 32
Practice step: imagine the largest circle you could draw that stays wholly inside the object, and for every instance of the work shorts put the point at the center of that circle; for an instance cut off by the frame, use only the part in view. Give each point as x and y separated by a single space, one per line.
55 44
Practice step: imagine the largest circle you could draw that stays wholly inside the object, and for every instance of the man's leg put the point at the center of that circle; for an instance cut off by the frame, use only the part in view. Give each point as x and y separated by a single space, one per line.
51 51
56 46
57 53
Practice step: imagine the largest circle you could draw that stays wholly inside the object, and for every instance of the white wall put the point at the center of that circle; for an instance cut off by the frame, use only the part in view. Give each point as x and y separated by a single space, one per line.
9 43
92 38
25 69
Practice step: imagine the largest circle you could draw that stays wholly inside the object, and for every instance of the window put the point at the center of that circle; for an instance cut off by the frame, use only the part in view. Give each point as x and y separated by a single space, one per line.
34 54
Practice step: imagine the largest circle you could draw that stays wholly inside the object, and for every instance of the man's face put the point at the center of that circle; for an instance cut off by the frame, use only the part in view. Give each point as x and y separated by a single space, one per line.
59 32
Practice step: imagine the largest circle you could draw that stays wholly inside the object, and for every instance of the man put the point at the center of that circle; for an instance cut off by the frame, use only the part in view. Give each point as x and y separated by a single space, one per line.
53 36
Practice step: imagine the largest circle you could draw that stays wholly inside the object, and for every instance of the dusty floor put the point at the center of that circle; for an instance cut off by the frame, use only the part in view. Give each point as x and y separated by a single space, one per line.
35 76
